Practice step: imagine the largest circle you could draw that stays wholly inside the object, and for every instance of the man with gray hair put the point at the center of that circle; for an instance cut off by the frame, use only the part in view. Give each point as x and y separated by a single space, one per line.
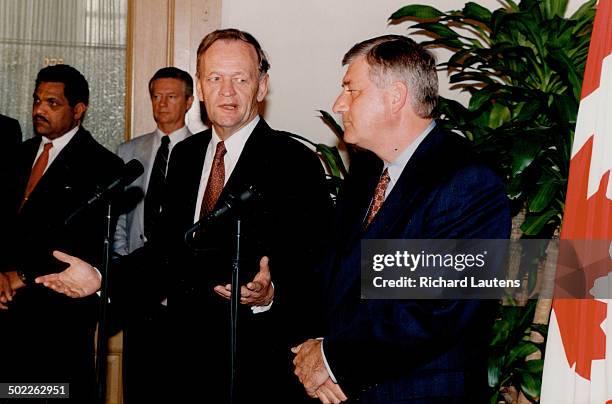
425 184
283 223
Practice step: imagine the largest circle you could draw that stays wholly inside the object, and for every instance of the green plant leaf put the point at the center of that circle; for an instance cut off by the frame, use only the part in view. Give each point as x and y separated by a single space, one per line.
527 111
497 20
456 59
331 122
520 352
339 161
471 76
452 43
476 12
566 68
494 370
416 11
554 8
303 139
543 197
533 225
566 109
510 5
501 330
523 154
437 29
500 114
585 11
534 366
530 385
542 329
453 110
480 97
329 158
494 399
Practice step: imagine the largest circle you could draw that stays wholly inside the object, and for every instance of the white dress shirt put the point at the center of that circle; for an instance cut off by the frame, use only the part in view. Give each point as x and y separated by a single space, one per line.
175 137
233 146
58 145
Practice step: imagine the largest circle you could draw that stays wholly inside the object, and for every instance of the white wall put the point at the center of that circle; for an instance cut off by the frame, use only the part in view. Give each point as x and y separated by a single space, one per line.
306 39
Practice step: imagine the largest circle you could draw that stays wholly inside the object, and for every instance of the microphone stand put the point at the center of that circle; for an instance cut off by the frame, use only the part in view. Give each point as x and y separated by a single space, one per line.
234 300
101 346
235 296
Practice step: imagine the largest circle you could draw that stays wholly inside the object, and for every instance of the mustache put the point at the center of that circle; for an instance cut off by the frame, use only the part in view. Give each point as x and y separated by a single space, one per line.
39 118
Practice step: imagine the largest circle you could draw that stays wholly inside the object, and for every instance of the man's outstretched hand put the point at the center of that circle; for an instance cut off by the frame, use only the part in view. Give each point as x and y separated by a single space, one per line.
258 292
80 279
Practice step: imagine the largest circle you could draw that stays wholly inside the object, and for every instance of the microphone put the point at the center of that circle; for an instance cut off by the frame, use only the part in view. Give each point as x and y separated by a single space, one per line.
129 172
231 203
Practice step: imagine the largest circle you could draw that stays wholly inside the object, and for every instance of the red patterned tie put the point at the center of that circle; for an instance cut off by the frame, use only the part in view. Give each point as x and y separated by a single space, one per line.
379 197
216 180
37 172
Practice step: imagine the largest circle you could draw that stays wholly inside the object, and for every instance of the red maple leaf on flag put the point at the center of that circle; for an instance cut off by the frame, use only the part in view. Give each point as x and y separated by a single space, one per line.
588 210
580 321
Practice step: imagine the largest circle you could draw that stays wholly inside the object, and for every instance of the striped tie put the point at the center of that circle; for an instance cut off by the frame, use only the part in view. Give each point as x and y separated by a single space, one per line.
155 190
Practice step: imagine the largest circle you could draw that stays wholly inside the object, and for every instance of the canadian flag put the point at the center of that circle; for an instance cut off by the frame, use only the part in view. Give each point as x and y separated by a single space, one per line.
578 364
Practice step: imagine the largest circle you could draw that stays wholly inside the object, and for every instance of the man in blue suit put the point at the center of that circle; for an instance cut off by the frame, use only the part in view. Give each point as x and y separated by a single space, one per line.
423 184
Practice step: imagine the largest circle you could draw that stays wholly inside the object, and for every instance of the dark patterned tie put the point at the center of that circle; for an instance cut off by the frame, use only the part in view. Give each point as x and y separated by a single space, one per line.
155 190
379 197
37 172
216 180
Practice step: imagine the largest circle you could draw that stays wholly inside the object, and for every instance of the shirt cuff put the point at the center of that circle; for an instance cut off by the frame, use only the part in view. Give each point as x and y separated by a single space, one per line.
331 374
99 293
262 309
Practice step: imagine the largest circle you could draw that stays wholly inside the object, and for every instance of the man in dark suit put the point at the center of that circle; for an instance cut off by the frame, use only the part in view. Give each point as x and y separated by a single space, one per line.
205 170
48 337
10 132
145 330
10 135
425 185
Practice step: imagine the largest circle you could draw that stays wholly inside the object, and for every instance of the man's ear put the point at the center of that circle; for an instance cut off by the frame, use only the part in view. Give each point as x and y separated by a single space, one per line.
79 111
399 95
262 91
199 90
188 103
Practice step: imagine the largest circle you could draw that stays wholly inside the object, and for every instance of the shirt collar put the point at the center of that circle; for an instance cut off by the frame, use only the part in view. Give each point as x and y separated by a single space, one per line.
235 143
395 169
175 137
60 142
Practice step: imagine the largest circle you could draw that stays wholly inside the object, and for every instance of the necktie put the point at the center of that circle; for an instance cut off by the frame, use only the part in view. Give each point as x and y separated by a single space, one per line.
155 189
379 197
216 180
37 172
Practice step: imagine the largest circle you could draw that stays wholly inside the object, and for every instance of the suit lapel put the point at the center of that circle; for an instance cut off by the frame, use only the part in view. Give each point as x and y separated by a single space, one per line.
26 162
416 179
143 154
57 170
418 176
243 174
191 175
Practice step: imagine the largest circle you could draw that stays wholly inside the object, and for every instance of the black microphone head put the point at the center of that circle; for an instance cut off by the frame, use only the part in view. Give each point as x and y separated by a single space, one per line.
251 192
131 170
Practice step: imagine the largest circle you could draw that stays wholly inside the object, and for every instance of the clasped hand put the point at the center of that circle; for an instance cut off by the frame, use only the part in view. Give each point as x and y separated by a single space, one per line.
312 373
